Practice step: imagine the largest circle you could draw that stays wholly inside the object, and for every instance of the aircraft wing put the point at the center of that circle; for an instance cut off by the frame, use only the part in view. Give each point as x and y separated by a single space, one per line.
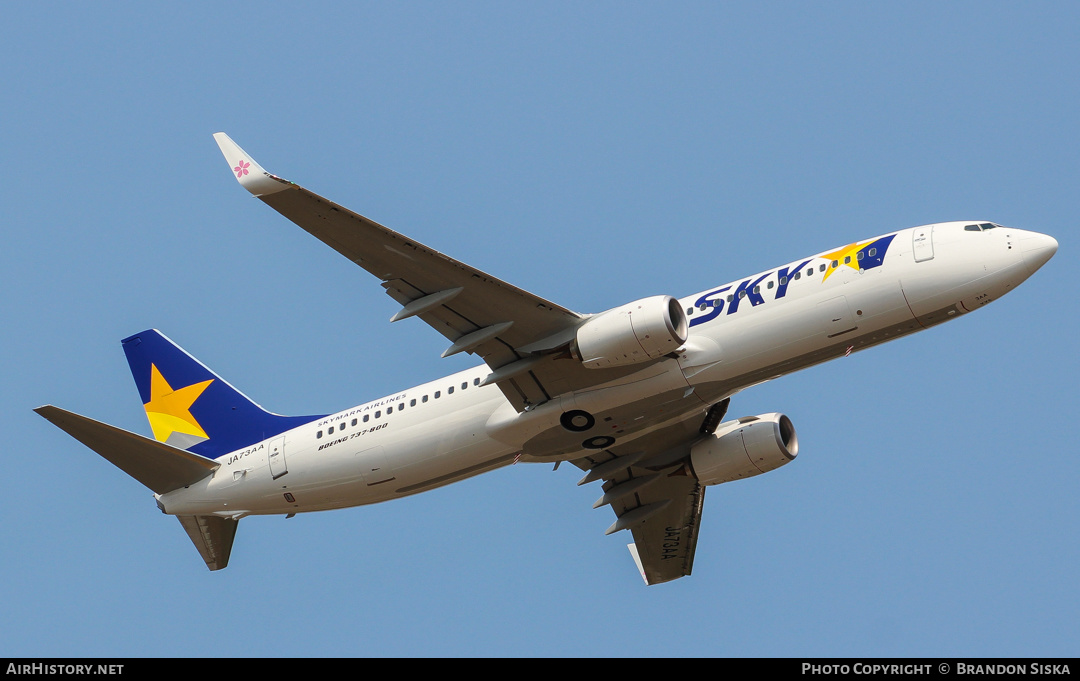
647 488
518 334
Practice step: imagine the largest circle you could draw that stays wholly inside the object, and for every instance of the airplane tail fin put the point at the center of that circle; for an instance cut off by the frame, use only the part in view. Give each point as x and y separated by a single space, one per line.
192 408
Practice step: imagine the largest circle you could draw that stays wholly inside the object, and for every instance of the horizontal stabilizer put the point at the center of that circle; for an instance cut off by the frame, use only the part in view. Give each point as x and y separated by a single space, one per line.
159 466
212 536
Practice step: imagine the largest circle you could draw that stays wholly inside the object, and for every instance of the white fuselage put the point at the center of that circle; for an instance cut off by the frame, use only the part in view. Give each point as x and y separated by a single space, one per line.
748 331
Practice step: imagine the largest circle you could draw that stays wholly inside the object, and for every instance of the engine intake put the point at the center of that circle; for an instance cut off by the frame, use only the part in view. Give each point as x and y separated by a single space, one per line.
742 449
636 332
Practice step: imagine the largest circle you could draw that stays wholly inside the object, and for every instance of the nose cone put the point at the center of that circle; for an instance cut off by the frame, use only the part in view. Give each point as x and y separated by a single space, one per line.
1037 249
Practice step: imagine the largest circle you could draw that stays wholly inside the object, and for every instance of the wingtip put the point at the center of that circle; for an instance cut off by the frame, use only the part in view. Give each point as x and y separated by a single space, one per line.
637 561
249 174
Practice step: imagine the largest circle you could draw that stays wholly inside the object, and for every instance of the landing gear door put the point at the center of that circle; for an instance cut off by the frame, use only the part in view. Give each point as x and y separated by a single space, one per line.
277 457
922 243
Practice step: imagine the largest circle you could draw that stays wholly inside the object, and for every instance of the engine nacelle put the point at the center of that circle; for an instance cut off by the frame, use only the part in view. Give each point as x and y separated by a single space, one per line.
636 332
742 449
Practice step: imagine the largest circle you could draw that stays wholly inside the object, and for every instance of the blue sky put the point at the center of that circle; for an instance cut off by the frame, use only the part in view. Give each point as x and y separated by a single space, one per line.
593 154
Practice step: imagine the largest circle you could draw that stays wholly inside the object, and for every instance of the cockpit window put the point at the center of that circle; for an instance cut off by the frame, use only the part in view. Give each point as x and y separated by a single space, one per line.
972 228
987 225
981 227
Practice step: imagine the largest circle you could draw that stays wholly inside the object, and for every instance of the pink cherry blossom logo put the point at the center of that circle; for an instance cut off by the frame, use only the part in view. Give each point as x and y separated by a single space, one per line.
241 169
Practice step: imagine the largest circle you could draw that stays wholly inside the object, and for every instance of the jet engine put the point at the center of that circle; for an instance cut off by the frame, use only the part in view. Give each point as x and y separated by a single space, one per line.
742 449
636 332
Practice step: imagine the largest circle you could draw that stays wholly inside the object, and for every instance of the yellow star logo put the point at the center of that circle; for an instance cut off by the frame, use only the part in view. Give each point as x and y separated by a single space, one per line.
848 255
169 410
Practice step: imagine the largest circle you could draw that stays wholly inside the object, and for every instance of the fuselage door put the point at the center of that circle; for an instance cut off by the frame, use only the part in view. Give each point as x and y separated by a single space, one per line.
277 457
922 243
373 465
835 316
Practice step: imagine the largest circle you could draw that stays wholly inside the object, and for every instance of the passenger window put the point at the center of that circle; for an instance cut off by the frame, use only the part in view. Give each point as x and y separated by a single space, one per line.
730 297
873 252
378 414
464 385
770 284
809 271
757 289
835 264
354 422
330 430
318 434
412 402
860 255
425 399
450 390
821 268
476 381
798 275
342 426
437 394
847 259
366 417
689 311
401 406
783 281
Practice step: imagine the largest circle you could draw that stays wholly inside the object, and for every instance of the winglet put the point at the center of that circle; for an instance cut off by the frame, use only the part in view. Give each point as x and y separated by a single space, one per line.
637 561
249 173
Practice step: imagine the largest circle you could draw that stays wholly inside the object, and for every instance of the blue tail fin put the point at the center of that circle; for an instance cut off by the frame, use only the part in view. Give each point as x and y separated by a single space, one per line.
191 407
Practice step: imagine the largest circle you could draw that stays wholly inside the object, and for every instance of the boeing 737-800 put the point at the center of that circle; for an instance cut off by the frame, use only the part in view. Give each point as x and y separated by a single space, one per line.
634 396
